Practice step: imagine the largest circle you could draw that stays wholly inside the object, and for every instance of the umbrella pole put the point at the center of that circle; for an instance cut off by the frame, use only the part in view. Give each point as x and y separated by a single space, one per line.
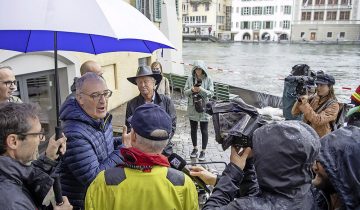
58 132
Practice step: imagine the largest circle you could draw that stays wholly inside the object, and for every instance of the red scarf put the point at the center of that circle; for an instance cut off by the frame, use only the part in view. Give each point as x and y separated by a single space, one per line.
134 158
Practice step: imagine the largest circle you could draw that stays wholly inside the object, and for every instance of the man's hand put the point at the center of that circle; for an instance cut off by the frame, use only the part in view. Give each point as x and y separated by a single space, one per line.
126 137
239 155
53 147
208 177
65 206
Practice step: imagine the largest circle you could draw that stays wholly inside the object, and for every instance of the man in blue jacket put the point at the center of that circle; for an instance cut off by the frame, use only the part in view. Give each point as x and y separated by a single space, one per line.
91 147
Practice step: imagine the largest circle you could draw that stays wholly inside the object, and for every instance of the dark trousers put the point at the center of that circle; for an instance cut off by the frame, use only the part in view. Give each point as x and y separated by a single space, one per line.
204 133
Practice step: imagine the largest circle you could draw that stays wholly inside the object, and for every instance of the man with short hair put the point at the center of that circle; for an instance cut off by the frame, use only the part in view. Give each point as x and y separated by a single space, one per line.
91 145
7 85
87 66
145 180
24 178
146 81
337 170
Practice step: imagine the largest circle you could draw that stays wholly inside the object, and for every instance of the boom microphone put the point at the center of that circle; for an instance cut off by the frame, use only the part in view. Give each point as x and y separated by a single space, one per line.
179 163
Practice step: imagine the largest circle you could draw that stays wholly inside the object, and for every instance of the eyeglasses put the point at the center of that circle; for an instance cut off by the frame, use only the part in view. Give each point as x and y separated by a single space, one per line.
9 83
96 96
40 134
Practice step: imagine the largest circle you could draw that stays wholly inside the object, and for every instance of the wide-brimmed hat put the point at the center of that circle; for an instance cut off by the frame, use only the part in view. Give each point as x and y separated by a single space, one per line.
143 71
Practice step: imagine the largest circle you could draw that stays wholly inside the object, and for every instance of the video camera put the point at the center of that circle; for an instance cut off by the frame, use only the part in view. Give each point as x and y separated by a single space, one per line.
234 122
303 78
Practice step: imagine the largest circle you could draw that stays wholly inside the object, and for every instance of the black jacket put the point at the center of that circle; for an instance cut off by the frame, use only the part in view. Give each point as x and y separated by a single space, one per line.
160 99
339 156
22 186
283 153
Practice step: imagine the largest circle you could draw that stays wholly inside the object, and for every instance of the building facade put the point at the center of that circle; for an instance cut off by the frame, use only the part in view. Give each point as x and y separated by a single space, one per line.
207 17
35 71
261 20
326 21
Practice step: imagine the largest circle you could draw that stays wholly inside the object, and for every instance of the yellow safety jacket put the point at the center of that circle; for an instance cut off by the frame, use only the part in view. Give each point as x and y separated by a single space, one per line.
130 189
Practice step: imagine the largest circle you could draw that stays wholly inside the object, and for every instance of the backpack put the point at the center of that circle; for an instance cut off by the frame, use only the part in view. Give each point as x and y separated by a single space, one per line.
198 101
341 116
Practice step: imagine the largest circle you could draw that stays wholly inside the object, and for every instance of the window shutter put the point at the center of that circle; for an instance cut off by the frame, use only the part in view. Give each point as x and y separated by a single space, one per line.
157 10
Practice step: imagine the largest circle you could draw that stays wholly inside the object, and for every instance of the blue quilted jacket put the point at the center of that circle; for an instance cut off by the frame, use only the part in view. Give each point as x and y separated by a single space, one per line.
90 149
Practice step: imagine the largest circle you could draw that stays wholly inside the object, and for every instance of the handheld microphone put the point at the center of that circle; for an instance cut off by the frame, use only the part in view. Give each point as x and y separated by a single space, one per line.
179 163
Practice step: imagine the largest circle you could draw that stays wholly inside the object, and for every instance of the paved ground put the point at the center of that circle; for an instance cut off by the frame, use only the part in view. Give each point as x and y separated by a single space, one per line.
182 139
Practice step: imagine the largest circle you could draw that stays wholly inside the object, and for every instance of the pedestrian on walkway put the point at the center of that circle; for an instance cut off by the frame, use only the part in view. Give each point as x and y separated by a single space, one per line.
199 88
7 85
164 86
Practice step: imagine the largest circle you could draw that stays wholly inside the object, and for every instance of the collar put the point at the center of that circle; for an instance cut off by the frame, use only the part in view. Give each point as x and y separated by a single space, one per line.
136 159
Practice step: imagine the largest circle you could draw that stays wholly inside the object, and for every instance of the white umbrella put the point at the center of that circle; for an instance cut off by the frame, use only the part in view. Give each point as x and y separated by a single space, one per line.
92 26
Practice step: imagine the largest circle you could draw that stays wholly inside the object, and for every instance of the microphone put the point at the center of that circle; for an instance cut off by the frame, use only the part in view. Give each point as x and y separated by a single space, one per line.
179 163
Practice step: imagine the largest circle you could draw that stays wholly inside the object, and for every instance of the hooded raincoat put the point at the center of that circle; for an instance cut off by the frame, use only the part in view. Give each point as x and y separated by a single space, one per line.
339 155
206 91
283 154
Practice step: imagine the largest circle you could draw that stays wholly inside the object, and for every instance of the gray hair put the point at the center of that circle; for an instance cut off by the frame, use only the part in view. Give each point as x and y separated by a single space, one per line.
5 67
14 119
88 75
150 146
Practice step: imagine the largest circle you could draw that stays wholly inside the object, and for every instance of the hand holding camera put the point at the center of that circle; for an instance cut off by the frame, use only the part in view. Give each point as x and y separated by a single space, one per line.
303 99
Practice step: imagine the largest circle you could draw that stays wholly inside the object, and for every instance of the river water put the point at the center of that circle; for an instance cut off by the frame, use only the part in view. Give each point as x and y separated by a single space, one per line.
263 66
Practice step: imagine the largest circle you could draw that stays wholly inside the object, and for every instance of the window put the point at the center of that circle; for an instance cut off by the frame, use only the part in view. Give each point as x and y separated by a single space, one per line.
237 9
329 34
245 25
195 8
256 25
207 7
344 15
302 34
237 24
306 16
342 34
307 2
157 10
269 10
332 2
345 2
319 2
245 11
286 24
287 10
257 11
268 24
318 15
144 7
203 19
331 15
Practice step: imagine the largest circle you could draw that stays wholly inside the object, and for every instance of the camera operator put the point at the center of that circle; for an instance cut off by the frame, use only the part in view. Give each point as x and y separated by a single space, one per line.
282 155
321 109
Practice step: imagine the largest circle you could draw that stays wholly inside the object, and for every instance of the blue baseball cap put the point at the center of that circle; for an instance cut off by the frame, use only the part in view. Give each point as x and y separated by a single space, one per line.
150 118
